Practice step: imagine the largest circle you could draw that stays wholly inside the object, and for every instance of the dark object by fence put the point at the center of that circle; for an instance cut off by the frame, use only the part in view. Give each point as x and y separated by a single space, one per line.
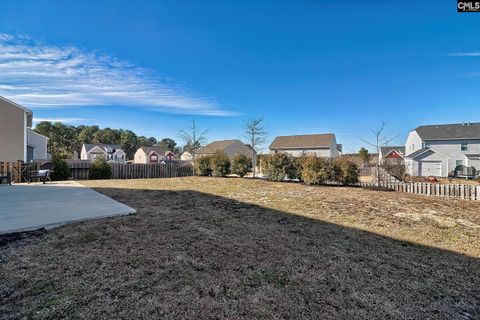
464 172
79 170
43 173
6 176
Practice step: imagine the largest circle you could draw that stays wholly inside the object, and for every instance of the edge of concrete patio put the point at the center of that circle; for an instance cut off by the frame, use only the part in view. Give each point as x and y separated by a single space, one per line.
26 207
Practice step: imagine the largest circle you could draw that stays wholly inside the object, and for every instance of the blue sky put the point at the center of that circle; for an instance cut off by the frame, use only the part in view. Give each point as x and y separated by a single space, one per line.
305 66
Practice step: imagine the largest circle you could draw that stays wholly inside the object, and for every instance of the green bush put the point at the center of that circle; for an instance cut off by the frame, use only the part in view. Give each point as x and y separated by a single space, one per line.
220 164
61 171
294 169
202 166
100 169
241 164
276 166
346 172
315 171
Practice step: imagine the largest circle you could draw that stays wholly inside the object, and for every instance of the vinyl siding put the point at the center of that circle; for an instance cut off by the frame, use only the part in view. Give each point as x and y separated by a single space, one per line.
39 144
13 132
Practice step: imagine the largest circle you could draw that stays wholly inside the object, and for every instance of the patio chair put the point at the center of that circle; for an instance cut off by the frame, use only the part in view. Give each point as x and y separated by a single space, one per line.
43 174
6 176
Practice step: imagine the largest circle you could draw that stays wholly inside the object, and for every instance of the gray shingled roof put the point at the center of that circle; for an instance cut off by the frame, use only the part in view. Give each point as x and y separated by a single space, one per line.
450 131
212 147
386 150
158 150
303 141
415 154
89 146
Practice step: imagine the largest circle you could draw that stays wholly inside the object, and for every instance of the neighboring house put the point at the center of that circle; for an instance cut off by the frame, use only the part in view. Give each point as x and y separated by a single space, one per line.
392 154
230 147
152 155
323 145
436 150
17 140
113 153
186 156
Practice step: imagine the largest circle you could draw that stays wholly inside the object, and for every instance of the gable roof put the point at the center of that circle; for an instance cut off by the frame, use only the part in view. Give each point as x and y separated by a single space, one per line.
457 131
219 145
384 151
303 141
161 151
16 105
103 146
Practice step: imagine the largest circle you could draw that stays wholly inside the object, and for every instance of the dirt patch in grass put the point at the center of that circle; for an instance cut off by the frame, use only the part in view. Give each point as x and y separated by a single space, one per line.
237 248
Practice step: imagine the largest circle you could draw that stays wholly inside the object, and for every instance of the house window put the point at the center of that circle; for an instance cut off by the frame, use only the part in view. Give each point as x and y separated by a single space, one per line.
458 163
464 146
412 147
30 153
153 158
427 145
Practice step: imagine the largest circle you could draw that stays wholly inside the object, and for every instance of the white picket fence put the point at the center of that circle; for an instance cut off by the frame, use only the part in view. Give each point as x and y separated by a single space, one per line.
458 191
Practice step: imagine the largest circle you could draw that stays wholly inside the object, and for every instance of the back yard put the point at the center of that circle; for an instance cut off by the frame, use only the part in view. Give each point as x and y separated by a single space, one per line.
210 248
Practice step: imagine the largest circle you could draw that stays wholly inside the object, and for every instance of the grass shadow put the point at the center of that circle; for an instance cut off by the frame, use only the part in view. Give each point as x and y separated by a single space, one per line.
187 254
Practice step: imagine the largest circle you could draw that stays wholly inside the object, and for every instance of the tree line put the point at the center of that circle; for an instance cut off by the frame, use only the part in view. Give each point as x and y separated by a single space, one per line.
65 140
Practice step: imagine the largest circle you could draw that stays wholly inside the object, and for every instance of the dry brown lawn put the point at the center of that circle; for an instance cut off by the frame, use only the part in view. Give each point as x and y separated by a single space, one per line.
213 248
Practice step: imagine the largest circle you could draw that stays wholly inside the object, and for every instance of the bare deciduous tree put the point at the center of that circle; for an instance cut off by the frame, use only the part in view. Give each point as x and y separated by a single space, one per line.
381 140
255 131
194 139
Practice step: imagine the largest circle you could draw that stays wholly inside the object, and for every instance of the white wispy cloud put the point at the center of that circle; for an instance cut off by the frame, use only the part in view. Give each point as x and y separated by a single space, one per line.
38 75
65 120
464 54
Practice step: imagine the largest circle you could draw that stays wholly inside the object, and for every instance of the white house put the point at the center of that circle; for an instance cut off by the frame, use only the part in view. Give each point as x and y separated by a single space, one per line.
17 140
113 153
322 145
230 147
152 155
436 150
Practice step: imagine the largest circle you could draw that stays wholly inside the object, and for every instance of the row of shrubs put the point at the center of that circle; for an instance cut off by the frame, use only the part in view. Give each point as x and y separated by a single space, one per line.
99 169
310 169
219 165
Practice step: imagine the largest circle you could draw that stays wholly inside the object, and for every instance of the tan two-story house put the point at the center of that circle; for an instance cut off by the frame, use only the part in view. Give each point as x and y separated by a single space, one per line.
322 145
17 140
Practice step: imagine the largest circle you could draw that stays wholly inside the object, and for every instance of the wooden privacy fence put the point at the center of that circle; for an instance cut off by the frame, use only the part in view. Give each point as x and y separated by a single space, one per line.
459 191
14 168
80 170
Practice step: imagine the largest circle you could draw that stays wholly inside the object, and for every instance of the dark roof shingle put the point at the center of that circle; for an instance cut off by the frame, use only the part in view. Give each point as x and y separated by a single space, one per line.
449 131
213 146
158 150
303 141
415 154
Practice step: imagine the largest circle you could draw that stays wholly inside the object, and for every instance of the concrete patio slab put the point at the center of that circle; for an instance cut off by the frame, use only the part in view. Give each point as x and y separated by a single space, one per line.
26 207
